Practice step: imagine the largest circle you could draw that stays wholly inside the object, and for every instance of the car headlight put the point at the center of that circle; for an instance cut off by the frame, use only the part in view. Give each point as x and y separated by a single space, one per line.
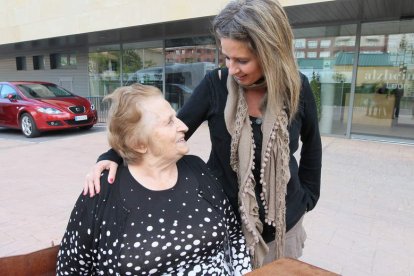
92 107
49 110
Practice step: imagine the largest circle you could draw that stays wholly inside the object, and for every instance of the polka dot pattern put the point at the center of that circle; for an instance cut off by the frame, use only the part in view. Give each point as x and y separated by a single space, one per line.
189 229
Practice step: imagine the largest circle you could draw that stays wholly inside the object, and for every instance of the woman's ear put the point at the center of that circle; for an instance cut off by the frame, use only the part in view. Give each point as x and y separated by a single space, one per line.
141 148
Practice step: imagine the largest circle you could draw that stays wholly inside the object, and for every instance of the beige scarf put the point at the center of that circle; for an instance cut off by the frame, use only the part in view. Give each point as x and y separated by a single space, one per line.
274 172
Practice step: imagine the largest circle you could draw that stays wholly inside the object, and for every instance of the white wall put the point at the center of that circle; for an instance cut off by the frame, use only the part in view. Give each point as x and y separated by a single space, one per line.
26 20
79 76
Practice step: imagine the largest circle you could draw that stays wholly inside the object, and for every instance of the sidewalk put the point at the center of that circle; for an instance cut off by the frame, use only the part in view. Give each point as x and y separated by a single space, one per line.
362 225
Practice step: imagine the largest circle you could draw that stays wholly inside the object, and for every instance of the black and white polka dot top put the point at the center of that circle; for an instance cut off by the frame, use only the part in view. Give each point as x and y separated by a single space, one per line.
189 229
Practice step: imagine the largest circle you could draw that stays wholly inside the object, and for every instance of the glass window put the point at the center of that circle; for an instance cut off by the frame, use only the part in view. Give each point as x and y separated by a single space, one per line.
38 63
312 44
300 43
6 90
373 41
72 60
299 54
143 63
345 41
384 92
63 61
20 63
183 72
43 91
104 69
324 54
325 43
330 74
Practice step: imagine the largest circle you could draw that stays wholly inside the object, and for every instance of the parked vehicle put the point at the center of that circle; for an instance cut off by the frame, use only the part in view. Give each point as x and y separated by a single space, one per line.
35 107
177 94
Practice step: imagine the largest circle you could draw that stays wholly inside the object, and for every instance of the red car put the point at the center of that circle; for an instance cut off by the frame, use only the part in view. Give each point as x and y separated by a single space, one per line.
35 107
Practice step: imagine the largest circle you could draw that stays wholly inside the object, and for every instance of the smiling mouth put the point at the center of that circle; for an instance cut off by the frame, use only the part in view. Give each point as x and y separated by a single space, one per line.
238 79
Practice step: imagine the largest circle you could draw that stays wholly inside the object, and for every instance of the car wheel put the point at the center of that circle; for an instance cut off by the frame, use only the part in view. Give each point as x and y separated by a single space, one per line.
86 127
28 126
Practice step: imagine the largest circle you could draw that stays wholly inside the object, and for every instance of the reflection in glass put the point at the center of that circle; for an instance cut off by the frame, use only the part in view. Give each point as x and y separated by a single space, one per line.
187 62
104 70
143 63
384 93
325 56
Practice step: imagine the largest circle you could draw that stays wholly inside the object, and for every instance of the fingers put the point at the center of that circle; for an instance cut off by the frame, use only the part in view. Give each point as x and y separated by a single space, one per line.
88 185
92 182
95 183
112 172
85 186
91 187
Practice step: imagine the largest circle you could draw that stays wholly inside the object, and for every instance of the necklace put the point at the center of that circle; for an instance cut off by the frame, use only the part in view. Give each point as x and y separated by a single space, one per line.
256 120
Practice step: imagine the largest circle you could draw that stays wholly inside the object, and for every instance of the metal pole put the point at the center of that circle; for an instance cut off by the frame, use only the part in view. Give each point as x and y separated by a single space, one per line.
353 82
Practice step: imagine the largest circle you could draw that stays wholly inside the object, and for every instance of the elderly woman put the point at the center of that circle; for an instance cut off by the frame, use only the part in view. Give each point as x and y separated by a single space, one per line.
165 215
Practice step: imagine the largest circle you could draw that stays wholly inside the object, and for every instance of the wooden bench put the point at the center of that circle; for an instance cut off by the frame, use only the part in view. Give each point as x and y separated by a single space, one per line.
42 262
290 267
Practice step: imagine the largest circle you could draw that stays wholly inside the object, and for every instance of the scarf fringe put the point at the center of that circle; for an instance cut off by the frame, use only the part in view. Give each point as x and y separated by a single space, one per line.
274 171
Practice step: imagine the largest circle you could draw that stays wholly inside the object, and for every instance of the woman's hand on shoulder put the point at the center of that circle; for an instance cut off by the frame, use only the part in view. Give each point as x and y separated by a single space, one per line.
92 180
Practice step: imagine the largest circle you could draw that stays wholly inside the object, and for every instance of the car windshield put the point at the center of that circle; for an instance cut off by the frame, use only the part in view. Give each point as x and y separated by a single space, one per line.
186 89
37 90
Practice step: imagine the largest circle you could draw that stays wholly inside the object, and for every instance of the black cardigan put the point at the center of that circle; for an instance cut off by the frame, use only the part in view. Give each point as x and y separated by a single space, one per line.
97 226
207 103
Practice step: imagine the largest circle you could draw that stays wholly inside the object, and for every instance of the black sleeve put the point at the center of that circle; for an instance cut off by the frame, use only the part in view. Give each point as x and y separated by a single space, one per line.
78 249
76 255
195 110
111 155
311 153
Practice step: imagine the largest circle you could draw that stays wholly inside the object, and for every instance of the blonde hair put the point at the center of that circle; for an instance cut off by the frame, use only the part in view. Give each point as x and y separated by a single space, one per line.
125 127
264 26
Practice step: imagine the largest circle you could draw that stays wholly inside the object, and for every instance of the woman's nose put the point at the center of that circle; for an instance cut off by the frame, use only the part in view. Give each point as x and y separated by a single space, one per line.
233 69
181 126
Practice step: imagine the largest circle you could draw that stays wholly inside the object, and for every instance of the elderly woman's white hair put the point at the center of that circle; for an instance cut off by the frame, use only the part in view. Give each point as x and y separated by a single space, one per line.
125 129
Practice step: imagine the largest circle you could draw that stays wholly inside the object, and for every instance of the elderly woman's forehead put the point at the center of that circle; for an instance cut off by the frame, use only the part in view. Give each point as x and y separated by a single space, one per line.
159 108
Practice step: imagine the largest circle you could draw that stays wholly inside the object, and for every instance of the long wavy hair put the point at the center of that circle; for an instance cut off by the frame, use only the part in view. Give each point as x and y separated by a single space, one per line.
264 26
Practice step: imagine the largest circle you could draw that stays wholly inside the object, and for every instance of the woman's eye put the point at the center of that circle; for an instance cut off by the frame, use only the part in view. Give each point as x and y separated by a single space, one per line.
243 61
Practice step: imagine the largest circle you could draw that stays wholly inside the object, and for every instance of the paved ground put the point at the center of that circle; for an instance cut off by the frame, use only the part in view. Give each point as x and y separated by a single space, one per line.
362 225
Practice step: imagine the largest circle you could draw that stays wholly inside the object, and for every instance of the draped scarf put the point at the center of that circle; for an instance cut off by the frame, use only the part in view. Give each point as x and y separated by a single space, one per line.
274 171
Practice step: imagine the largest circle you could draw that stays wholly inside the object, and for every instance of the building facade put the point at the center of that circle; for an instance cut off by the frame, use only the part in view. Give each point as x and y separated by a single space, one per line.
357 54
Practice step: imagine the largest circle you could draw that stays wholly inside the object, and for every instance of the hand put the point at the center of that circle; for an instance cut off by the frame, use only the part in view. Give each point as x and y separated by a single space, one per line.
92 179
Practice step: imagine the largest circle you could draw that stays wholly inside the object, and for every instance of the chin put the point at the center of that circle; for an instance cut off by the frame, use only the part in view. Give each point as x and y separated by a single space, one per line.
245 82
186 151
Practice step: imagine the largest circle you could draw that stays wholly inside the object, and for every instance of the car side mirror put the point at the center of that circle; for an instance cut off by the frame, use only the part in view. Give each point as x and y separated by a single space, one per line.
12 97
